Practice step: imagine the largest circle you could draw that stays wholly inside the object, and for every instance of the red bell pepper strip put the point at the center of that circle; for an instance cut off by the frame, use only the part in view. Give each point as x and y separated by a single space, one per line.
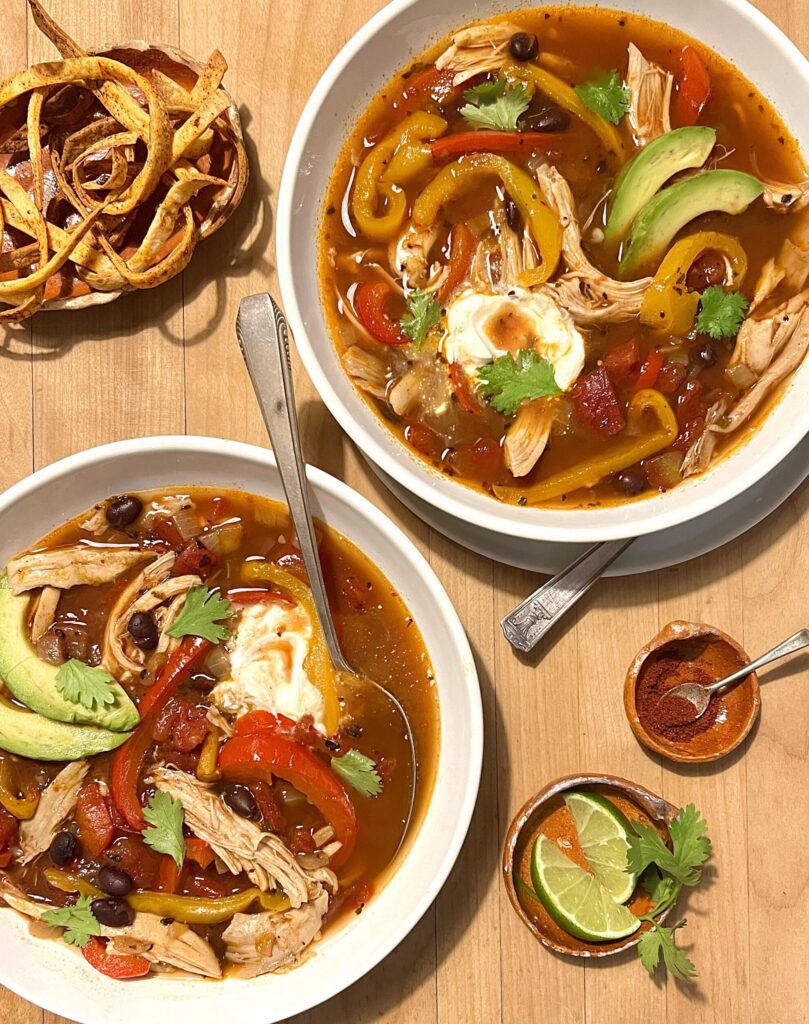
127 762
168 875
370 301
430 84
652 365
463 389
490 142
199 852
111 964
96 829
260 755
257 721
694 88
461 254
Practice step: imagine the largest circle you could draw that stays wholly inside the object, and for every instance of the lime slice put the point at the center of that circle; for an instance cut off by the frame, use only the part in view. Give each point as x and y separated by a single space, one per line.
603 832
575 899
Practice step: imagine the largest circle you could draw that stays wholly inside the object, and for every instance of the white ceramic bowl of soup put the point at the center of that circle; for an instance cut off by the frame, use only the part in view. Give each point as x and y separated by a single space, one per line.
53 975
400 32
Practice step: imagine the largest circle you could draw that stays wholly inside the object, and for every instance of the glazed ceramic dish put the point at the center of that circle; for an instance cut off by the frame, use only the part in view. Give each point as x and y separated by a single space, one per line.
54 975
732 28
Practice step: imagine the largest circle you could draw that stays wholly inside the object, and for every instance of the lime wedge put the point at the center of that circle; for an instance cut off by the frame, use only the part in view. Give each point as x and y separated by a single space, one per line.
575 899
603 832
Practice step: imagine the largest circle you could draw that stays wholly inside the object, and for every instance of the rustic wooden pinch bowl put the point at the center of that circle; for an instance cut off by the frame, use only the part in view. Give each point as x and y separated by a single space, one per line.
741 703
634 800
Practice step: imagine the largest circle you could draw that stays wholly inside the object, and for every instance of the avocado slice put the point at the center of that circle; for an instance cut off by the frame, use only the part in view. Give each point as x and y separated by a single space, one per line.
30 735
33 681
670 210
640 179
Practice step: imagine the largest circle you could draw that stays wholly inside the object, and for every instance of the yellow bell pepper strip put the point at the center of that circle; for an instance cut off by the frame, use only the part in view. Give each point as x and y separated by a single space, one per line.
207 770
318 664
392 162
186 909
667 303
23 804
467 172
634 444
564 96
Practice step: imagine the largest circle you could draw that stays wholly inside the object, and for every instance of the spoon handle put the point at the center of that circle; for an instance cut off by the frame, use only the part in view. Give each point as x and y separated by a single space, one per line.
261 328
525 626
795 643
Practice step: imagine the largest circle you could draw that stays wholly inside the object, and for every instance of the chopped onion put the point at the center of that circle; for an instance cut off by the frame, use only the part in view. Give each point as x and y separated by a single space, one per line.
187 522
741 376
218 663
224 538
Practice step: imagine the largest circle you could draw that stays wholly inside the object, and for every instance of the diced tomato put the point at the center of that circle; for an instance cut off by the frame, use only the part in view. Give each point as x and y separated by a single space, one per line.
93 817
422 438
694 87
596 404
217 510
165 529
181 725
622 363
671 377
652 365
354 593
691 431
8 828
288 557
690 404
461 252
371 301
203 884
482 460
352 898
195 560
268 805
114 965
432 83
198 851
301 840
462 389
140 862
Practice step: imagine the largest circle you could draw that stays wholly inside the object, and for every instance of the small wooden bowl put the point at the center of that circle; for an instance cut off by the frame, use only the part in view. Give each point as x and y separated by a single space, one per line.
740 705
636 802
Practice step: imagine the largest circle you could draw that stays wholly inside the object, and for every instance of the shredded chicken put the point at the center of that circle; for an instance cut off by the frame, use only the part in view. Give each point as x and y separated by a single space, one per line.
410 258
477 51
406 393
64 568
650 88
588 295
55 804
266 942
528 436
96 523
239 843
789 268
153 590
47 603
786 198
366 370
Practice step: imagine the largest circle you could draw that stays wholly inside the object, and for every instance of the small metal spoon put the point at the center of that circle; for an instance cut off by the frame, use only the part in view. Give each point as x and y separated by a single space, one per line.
700 695
261 329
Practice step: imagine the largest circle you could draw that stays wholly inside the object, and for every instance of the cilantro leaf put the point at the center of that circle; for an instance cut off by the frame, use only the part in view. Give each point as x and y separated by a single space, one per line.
509 381
78 921
663 890
81 684
199 617
166 817
358 771
721 313
691 846
646 847
423 313
496 105
662 940
607 95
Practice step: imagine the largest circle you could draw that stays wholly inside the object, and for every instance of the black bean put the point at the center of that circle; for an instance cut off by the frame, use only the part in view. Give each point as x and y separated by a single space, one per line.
112 912
513 215
143 630
114 882
707 354
241 800
63 848
631 482
523 46
123 511
549 119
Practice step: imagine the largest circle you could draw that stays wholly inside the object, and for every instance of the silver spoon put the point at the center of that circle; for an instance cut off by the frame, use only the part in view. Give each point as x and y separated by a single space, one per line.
699 696
261 329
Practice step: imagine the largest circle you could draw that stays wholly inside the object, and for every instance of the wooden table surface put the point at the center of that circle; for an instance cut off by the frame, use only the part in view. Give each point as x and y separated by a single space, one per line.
165 361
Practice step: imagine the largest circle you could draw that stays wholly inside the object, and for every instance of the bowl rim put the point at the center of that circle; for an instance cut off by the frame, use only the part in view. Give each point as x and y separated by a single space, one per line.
51 998
411 471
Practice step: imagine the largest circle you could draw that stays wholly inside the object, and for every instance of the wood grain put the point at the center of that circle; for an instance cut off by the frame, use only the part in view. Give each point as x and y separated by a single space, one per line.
165 361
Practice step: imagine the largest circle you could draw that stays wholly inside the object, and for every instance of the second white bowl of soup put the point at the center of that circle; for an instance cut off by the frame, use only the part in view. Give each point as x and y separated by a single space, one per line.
445 271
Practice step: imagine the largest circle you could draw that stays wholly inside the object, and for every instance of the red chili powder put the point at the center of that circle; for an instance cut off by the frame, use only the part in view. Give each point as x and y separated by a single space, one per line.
677 663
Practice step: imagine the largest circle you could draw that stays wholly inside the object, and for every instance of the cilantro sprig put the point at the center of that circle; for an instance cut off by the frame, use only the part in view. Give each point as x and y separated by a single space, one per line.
78 921
511 380
359 771
607 95
92 688
201 615
165 815
495 105
423 313
721 313
664 872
